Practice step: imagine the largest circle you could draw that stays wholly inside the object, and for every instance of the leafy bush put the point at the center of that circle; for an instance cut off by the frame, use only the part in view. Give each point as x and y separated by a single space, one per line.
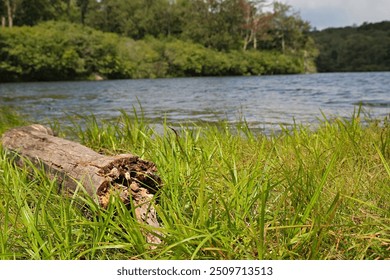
64 51
58 51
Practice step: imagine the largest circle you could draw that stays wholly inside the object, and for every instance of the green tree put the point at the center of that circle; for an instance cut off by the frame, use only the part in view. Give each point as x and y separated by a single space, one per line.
31 12
363 48
288 31
134 18
256 22
215 24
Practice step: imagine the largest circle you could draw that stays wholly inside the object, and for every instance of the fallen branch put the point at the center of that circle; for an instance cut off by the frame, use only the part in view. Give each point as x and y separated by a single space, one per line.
72 163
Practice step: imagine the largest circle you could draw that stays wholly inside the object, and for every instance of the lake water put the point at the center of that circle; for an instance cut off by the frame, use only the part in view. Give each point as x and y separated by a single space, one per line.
264 101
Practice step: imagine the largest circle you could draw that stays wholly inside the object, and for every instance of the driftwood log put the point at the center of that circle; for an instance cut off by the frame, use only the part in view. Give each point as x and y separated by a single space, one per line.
73 164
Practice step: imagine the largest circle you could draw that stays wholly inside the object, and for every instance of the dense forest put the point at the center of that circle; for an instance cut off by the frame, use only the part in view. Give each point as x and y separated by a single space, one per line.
94 39
357 48
78 39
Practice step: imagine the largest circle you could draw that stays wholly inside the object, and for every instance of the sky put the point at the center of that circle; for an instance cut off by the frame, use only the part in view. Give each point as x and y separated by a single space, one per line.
339 13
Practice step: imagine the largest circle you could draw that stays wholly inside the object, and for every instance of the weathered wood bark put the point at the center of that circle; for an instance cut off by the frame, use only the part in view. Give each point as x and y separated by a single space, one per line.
72 163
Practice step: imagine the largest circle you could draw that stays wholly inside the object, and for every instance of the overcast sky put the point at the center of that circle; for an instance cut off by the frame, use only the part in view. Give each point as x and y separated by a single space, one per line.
338 13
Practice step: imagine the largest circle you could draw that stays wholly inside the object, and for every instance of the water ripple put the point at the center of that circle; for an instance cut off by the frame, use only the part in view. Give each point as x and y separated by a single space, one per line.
264 101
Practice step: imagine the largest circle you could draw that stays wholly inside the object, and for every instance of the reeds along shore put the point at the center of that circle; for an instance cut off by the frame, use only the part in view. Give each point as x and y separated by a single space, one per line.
228 193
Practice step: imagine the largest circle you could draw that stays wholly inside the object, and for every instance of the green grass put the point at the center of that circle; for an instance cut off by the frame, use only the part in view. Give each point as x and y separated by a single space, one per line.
228 193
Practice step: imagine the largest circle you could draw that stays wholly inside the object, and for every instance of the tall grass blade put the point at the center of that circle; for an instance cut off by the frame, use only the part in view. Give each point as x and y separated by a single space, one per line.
318 189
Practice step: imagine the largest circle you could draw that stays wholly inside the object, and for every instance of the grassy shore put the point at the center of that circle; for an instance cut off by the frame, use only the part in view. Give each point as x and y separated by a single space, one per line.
229 193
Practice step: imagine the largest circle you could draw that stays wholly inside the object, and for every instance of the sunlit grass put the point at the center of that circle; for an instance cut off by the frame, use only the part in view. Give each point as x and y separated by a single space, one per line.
228 193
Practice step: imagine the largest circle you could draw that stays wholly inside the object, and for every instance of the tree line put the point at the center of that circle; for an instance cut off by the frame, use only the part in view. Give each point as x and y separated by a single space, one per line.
217 24
355 48
74 39
165 38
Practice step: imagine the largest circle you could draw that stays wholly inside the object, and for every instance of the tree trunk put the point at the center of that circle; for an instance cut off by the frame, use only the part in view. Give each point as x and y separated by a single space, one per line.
83 10
72 164
10 12
246 42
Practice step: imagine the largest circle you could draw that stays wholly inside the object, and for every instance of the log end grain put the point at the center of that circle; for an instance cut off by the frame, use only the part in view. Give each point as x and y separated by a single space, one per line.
126 174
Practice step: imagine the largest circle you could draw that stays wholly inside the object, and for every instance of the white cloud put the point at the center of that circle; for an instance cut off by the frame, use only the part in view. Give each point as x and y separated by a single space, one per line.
334 13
